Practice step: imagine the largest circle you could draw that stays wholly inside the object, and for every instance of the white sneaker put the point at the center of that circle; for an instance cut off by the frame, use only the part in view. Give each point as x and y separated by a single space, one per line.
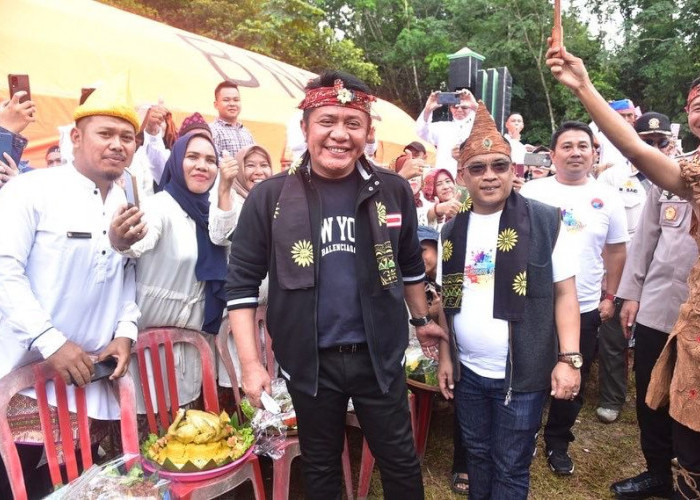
606 415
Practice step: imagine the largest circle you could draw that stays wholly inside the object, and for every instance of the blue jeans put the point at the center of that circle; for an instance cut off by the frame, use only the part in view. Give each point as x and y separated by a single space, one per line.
500 439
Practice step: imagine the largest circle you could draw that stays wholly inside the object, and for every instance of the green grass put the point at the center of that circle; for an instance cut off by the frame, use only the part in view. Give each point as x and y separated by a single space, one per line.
602 453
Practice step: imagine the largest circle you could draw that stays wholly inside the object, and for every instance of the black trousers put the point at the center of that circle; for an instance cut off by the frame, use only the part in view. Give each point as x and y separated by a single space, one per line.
686 446
654 425
563 412
384 418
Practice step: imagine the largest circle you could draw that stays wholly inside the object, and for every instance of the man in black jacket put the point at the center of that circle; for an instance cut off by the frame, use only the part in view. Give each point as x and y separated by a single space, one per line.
337 236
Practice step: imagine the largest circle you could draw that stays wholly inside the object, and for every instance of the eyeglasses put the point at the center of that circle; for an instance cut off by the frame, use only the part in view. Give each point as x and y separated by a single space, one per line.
498 167
658 143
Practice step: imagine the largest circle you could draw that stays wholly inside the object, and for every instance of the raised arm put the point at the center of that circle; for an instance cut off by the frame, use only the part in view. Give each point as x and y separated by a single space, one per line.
659 168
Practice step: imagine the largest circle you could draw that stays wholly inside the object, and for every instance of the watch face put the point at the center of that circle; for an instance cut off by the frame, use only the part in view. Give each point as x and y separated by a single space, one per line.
576 360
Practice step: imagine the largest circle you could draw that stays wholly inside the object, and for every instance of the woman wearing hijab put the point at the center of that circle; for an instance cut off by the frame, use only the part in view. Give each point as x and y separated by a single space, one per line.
441 190
181 260
254 166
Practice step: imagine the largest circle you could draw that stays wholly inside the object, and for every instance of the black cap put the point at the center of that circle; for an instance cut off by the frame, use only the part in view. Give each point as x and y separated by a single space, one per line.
653 123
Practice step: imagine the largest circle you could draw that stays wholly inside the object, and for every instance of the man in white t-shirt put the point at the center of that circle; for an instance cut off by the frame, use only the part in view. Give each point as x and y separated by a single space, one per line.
509 289
594 216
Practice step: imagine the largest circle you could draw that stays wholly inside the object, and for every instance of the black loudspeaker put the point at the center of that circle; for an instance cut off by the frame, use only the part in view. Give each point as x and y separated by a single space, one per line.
482 80
464 66
503 90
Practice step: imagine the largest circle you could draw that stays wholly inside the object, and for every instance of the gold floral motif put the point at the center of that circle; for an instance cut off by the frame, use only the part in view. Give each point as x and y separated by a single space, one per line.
381 213
520 283
295 166
303 253
507 239
466 204
277 210
447 249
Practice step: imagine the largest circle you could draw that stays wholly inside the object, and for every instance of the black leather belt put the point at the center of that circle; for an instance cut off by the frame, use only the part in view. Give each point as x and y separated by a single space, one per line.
347 348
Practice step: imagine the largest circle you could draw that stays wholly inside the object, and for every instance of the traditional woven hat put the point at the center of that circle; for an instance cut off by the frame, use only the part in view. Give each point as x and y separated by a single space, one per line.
194 121
113 98
484 138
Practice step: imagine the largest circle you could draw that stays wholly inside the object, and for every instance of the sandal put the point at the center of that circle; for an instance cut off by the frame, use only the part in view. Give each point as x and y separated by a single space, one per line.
460 483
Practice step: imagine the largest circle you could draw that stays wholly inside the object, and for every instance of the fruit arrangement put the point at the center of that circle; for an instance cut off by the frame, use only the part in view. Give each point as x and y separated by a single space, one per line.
197 441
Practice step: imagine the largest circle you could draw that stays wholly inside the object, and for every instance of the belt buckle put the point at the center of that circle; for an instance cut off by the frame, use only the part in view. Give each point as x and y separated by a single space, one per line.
348 348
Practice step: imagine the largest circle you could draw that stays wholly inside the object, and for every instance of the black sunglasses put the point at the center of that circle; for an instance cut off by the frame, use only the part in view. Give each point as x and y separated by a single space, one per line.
498 167
658 143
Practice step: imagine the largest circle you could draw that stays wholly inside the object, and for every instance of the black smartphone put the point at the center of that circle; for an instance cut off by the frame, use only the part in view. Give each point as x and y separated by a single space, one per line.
104 368
5 145
449 98
537 160
17 83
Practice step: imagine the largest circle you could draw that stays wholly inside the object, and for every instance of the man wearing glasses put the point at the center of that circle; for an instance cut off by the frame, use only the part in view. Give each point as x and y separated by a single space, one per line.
510 299
446 136
593 214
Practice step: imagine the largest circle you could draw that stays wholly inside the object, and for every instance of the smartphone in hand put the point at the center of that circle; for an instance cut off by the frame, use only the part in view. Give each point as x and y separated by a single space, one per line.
131 189
104 369
17 83
449 98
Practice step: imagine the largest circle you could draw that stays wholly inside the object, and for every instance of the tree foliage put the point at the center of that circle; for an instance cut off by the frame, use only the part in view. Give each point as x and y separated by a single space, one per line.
401 46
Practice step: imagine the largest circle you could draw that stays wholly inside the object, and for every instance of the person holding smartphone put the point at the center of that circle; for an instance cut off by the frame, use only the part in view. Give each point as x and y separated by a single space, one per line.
65 295
445 136
15 115
186 234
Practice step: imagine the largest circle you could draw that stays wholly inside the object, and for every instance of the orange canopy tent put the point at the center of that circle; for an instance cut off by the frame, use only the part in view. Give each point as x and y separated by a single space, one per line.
66 45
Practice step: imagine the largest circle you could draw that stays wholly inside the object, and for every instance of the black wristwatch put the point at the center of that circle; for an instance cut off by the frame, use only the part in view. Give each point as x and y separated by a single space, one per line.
422 321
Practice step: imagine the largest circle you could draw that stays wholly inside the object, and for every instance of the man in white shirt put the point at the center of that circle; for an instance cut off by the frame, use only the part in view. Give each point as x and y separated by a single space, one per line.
508 286
609 154
594 216
514 126
65 295
446 136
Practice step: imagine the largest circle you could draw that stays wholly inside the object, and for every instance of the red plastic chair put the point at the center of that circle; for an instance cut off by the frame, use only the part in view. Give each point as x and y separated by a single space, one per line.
36 375
149 343
367 459
281 468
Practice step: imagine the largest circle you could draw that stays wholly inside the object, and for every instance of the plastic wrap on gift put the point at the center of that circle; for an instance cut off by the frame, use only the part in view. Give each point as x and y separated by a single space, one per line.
123 477
271 429
419 367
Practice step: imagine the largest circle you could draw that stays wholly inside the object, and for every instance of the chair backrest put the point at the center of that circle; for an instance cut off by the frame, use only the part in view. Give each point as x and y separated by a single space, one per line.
227 360
37 375
265 341
150 342
264 345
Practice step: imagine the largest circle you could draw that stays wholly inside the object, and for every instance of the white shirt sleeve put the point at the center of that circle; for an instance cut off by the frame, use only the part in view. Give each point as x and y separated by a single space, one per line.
563 266
617 229
424 130
156 153
130 313
25 316
221 224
